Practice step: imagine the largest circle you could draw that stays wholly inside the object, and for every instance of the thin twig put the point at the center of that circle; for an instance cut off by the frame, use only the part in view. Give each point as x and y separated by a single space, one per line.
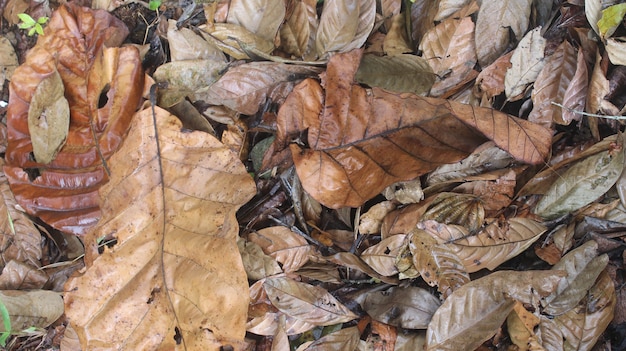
589 114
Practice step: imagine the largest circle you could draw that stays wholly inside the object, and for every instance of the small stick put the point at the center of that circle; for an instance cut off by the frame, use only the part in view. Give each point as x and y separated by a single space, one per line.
589 114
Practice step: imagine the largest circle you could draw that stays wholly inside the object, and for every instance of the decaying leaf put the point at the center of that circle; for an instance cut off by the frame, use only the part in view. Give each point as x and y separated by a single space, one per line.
297 34
581 184
103 87
185 45
403 73
448 7
35 308
8 60
305 302
171 207
229 36
492 246
616 48
370 221
437 263
410 308
363 140
256 263
453 208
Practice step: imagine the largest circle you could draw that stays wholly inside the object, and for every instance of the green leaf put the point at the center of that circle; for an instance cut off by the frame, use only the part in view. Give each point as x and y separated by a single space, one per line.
6 320
32 31
612 16
42 20
27 21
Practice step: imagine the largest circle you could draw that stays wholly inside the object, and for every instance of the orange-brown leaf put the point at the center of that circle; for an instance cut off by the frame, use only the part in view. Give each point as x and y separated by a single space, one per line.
367 139
103 88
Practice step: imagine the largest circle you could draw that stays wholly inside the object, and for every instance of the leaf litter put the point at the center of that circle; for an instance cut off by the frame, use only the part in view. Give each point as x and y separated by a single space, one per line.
426 172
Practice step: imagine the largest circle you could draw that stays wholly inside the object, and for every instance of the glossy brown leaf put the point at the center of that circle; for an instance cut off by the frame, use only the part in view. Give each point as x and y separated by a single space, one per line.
63 192
367 139
171 207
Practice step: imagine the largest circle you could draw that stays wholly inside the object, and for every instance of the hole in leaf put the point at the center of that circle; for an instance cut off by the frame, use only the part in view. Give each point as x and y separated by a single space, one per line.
177 337
227 348
33 173
152 294
103 99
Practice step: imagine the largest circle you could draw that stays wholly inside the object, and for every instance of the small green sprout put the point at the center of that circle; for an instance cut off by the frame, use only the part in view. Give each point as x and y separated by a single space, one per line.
32 25
154 5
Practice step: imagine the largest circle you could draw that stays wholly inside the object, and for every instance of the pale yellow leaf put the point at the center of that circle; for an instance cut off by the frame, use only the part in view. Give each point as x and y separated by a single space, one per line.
526 63
261 17
616 48
593 11
48 118
496 19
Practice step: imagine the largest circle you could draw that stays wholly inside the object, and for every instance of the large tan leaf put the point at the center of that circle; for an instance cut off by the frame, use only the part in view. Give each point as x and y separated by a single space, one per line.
496 243
344 25
246 87
551 84
174 279
437 263
305 302
449 49
582 184
582 268
410 307
475 312
261 17
583 325
526 63
402 73
496 19
363 140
